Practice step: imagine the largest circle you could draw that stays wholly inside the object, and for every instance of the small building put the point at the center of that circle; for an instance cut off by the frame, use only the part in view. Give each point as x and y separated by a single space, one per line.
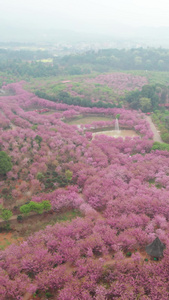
155 249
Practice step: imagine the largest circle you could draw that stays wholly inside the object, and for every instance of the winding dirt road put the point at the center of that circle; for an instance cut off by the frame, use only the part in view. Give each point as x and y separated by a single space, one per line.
156 137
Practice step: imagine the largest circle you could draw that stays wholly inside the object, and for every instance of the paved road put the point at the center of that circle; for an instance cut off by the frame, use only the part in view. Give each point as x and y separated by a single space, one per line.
156 137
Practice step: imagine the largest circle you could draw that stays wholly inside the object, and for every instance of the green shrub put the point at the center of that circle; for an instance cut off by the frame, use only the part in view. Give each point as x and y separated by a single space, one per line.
36 207
165 137
7 227
49 295
25 209
155 259
38 139
34 127
19 218
5 163
46 205
40 176
6 214
68 175
160 146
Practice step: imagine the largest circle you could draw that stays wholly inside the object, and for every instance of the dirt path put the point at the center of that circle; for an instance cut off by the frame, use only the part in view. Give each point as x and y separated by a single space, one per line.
156 137
14 217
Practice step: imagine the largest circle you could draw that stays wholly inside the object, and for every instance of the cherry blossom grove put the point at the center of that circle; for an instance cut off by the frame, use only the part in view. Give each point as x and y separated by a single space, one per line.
120 82
120 186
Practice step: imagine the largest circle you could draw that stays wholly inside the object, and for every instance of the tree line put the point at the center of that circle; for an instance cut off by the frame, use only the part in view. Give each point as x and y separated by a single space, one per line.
121 59
65 97
148 98
25 62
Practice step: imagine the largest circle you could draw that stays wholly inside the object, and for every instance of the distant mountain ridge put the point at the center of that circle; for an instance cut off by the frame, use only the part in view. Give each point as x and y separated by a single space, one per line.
14 33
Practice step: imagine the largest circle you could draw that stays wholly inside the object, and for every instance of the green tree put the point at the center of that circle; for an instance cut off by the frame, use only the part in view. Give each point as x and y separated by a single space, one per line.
160 146
160 64
149 91
6 214
38 139
164 95
36 207
46 205
5 163
133 99
118 116
34 127
68 175
25 209
145 104
137 60
40 176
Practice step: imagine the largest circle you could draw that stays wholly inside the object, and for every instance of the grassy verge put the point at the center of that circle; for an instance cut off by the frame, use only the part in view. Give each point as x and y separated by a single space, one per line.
161 119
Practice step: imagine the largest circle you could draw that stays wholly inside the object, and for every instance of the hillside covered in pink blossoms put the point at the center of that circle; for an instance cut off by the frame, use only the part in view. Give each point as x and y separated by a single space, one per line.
108 87
120 186
120 82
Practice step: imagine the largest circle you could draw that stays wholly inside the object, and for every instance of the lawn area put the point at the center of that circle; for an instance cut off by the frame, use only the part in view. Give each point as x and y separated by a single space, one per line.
88 120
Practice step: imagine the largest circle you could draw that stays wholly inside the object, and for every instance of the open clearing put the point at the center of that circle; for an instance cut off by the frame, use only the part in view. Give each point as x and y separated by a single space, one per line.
88 120
8 238
114 133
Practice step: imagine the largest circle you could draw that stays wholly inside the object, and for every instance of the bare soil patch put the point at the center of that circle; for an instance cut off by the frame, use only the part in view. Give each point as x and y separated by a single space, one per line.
8 238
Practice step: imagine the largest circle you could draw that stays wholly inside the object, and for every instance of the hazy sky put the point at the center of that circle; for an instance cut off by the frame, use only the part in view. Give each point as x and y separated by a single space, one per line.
85 14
